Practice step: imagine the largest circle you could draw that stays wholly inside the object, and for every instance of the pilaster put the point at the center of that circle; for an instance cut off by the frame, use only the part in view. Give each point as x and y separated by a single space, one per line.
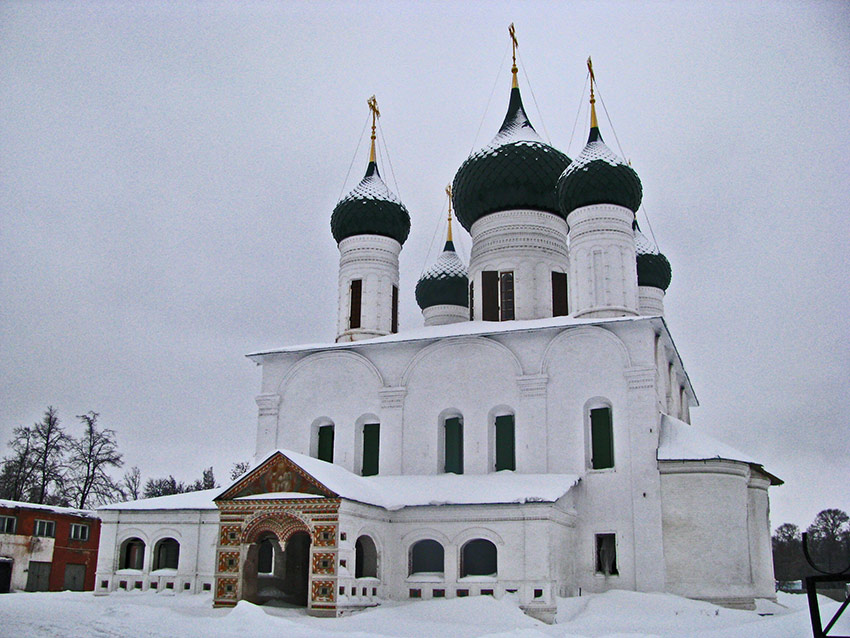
531 418
392 425
268 408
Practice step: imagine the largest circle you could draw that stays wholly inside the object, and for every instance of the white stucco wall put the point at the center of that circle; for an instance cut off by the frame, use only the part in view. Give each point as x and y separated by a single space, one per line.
23 549
195 530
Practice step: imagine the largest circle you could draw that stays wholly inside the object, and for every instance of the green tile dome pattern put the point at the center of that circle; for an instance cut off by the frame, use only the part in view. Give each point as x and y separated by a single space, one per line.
446 282
516 170
653 269
598 176
371 208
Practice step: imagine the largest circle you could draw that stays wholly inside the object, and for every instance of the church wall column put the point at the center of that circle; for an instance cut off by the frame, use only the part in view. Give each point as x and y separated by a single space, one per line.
391 445
531 424
269 409
645 481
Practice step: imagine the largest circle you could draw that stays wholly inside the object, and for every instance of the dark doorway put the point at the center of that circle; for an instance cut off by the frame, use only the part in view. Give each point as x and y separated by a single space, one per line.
297 568
5 576
38 576
75 577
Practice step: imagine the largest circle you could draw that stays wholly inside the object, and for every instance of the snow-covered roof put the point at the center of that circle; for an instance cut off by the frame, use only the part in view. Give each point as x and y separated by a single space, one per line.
200 500
396 492
682 442
47 508
459 329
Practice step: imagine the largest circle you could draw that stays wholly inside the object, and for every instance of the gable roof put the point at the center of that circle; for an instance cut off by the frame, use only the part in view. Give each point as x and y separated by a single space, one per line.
200 500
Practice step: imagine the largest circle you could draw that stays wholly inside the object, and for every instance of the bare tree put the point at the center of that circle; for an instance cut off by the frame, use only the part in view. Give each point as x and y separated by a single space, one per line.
239 469
91 456
131 484
829 536
163 487
17 476
49 445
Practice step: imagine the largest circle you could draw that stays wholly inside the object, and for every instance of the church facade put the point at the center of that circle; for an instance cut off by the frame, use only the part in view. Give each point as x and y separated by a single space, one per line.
532 439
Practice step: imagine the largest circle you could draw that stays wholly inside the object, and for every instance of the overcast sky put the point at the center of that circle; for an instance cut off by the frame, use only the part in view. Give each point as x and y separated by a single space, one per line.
168 172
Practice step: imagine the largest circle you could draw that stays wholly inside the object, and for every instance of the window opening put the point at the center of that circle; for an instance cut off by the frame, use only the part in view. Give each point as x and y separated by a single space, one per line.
478 558
371 447
559 294
506 297
133 554
46 529
365 558
326 443
265 557
8 524
490 295
505 443
472 301
79 532
606 554
166 554
427 557
602 439
454 445
354 306
394 327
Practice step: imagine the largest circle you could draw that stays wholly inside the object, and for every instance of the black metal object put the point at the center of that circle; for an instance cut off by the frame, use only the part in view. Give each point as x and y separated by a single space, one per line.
842 576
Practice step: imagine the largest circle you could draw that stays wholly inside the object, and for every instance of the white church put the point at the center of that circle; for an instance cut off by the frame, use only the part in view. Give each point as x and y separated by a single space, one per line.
532 438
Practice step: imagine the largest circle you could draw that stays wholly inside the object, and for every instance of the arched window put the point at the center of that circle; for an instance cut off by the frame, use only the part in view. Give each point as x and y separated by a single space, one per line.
601 438
265 557
132 554
322 440
166 554
453 444
427 557
370 440
365 558
505 445
478 558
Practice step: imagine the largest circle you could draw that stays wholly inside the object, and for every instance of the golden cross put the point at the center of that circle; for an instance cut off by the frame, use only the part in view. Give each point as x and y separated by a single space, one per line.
592 77
514 43
449 193
373 106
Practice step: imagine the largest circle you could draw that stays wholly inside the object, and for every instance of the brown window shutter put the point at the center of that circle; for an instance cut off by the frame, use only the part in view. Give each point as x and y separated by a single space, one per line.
507 295
559 294
490 295
356 293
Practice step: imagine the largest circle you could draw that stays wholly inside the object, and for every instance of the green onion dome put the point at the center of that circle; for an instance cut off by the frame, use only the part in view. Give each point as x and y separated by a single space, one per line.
370 209
653 269
516 170
444 283
598 176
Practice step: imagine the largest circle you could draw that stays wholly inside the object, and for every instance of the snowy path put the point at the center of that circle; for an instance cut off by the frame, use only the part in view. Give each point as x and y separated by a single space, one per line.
617 614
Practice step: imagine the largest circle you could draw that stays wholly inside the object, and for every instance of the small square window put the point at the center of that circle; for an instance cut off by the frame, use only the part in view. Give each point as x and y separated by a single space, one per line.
138 584
342 536
439 593
374 591
8 524
186 586
364 591
342 591
416 593
538 593
46 529
169 585
232 536
462 593
104 584
228 587
207 587
153 585
123 584
342 562
486 592
511 591
79 532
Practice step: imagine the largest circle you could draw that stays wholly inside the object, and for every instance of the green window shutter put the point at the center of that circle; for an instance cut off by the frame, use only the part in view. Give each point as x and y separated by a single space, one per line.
602 439
505 445
394 321
454 445
326 443
371 443
490 295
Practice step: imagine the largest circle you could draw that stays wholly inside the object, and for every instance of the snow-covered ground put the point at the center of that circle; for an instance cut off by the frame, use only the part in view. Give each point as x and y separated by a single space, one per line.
617 614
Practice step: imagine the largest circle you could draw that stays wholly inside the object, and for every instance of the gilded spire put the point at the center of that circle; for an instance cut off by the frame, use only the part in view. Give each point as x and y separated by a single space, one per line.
373 106
514 45
449 193
593 122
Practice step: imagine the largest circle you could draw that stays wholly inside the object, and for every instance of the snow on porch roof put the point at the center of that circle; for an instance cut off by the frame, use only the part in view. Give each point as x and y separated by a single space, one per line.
396 492
680 441
200 500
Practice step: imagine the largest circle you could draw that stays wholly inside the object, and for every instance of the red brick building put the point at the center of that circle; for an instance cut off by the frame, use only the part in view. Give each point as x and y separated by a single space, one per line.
47 548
